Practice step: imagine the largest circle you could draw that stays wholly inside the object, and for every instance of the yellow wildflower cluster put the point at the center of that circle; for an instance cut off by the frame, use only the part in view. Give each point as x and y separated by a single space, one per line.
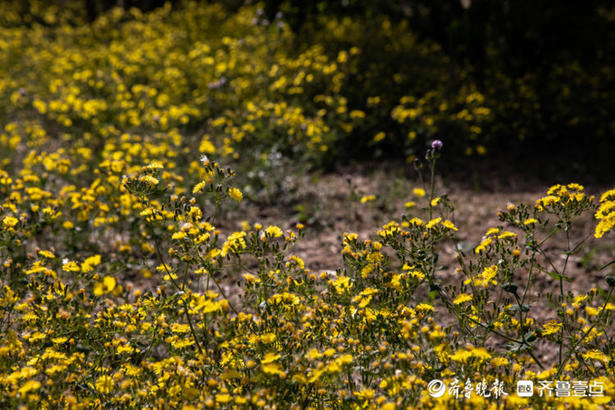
494 235
293 335
425 115
564 195
605 213
118 291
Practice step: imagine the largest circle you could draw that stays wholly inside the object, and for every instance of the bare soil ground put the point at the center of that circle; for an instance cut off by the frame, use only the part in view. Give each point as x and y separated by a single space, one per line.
329 206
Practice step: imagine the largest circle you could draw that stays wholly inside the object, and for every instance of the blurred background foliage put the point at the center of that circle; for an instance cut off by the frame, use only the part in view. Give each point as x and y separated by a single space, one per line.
528 83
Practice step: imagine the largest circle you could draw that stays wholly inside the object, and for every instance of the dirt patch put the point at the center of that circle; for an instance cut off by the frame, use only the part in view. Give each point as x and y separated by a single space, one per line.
329 205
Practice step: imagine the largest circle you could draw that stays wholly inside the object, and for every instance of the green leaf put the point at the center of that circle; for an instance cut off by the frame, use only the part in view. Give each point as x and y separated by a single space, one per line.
510 288
523 308
530 337
554 275
557 276
516 347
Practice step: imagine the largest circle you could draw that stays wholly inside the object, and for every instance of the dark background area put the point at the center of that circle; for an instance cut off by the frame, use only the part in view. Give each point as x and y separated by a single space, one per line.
546 70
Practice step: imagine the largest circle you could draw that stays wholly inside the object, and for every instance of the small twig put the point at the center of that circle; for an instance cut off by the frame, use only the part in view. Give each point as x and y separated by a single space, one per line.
189 319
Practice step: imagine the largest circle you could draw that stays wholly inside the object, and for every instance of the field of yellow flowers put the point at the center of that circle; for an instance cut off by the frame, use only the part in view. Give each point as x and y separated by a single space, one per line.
118 142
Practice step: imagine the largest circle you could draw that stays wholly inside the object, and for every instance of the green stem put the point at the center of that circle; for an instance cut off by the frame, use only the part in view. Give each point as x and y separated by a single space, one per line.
186 310
432 185
216 283
574 346
510 339
561 298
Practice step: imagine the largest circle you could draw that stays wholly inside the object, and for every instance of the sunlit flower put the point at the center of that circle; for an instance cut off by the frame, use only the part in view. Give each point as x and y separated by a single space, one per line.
104 384
9 221
235 194
105 286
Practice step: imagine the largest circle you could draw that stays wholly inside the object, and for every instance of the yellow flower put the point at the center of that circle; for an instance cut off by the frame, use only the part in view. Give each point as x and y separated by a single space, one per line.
235 194
499 361
198 188
107 285
180 328
416 221
488 275
251 278
605 225
273 368
591 311
481 353
462 298
89 264
485 278
208 147
417 274
507 234
46 254
344 359
433 223
71 267
270 357
195 213
223 398
448 224
396 281
366 394
9 221
424 307
483 245
605 214
367 198
104 384
342 284
551 327
29 386
364 297
274 231
40 106
379 137
235 242
155 165
148 179
608 195
313 354
596 355
546 201
418 192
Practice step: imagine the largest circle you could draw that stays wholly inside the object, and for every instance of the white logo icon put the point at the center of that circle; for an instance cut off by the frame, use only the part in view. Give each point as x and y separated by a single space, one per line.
436 388
525 388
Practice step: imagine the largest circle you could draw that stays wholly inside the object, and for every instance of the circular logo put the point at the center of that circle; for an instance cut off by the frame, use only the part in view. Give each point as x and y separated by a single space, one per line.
436 388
